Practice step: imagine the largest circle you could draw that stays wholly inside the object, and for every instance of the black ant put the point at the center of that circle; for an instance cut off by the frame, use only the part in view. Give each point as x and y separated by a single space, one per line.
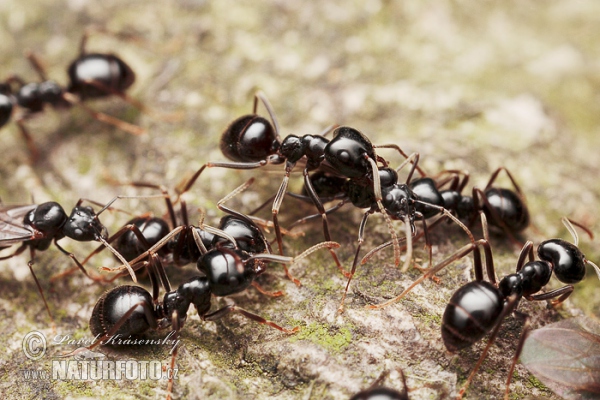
479 307
38 226
91 75
251 141
399 203
131 310
505 209
187 243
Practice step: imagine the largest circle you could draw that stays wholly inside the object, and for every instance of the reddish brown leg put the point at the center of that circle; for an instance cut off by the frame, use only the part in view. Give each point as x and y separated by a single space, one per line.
256 318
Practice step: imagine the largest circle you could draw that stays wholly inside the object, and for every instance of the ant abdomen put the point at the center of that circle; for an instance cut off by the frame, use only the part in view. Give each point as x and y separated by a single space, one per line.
509 208
471 313
248 236
106 70
47 217
249 138
567 259
153 229
114 304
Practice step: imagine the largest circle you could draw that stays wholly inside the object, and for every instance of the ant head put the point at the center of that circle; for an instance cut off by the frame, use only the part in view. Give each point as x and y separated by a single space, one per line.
47 217
226 270
387 176
398 201
347 150
568 262
83 225
249 138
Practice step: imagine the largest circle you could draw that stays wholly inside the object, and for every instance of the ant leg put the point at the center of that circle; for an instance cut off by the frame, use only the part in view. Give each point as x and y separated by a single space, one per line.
526 251
378 199
260 95
277 203
361 231
33 150
514 182
37 65
561 294
399 150
317 202
175 324
524 333
160 271
72 256
456 183
460 253
20 250
37 283
124 126
265 292
414 160
165 194
511 304
328 211
256 318
111 239
184 187
162 242
291 260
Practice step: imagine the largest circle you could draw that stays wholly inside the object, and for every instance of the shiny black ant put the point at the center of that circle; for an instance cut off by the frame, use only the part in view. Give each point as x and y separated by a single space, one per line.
131 310
38 226
187 243
91 76
479 307
505 209
251 141
399 202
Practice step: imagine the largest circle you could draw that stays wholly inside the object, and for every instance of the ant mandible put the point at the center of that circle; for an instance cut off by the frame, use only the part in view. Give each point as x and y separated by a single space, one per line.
38 226
480 307
251 141
91 75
